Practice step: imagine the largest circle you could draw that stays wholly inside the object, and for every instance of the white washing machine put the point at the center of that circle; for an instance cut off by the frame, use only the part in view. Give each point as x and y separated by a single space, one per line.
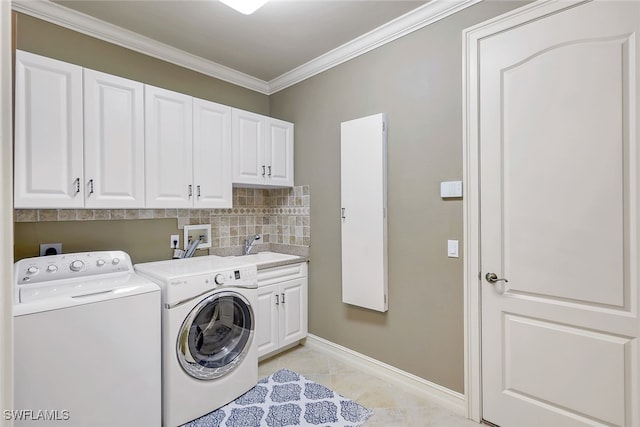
86 342
209 355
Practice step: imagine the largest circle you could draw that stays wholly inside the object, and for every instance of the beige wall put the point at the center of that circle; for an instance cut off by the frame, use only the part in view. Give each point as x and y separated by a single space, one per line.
416 80
43 38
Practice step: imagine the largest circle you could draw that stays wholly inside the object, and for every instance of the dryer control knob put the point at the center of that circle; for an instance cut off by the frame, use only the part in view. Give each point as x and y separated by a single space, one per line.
76 265
115 261
219 279
100 262
52 268
32 270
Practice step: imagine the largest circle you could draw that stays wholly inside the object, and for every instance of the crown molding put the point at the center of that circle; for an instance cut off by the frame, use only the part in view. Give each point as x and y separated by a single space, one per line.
392 30
85 24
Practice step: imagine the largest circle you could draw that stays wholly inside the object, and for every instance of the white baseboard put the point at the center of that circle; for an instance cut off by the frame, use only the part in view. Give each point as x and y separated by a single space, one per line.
451 399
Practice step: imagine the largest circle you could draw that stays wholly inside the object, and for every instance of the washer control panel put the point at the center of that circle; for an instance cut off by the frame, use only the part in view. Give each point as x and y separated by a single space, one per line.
67 266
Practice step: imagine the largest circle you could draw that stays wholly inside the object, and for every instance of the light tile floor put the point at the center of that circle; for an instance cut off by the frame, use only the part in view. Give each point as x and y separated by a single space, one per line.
392 405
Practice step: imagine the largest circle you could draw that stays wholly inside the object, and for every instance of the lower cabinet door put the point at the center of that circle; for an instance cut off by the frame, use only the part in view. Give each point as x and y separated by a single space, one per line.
293 311
266 329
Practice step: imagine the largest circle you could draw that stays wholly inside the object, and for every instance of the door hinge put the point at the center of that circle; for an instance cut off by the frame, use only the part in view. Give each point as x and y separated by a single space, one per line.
383 126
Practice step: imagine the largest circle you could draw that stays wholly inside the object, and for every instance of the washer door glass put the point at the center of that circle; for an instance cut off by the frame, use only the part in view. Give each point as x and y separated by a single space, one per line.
216 335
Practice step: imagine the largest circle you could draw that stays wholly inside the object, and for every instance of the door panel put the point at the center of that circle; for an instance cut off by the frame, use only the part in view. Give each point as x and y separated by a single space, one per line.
279 153
580 185
267 320
114 141
293 311
363 198
559 218
541 357
168 150
48 133
248 137
212 154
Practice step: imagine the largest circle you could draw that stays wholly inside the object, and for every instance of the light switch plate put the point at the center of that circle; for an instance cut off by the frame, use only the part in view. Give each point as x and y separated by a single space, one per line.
452 249
450 189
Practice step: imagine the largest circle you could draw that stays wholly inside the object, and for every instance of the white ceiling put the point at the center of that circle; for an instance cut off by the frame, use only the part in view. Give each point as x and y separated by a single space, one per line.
279 37
283 43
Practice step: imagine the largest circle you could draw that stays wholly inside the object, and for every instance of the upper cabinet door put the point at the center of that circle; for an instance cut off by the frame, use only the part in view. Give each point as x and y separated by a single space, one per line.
114 141
212 155
248 136
48 133
168 153
279 153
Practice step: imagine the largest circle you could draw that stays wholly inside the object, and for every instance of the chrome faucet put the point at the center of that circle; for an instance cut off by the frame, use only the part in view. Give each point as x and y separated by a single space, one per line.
248 244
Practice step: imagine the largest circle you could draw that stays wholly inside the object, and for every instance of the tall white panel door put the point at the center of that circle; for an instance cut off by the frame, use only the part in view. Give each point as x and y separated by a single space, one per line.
114 141
168 148
248 137
212 155
293 311
48 133
279 153
363 194
560 220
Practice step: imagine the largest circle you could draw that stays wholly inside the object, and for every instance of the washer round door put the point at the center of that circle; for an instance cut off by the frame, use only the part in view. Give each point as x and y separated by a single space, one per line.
216 335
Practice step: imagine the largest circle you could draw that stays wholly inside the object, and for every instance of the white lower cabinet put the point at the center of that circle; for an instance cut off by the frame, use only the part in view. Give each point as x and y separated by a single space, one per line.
282 308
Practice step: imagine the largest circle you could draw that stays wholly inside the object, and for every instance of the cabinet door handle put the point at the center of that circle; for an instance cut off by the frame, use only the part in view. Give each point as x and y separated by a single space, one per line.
282 297
190 190
77 184
198 190
263 170
90 187
277 299
269 171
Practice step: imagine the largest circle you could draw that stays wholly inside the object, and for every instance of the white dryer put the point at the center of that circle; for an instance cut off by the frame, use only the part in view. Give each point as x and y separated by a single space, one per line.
209 355
86 342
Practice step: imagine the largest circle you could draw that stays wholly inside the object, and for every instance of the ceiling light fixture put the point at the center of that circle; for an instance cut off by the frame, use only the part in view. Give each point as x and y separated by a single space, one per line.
245 6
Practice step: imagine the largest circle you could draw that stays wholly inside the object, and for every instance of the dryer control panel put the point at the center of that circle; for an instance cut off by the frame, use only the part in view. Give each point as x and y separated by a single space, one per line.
68 266
185 288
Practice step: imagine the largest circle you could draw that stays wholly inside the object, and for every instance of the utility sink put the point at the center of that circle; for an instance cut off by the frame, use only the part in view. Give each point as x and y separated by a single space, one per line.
267 257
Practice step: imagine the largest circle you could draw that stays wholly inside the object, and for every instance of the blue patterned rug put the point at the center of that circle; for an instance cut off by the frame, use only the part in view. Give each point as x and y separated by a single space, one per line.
287 399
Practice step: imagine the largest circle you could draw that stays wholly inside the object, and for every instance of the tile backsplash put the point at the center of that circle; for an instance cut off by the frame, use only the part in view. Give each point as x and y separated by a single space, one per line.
280 216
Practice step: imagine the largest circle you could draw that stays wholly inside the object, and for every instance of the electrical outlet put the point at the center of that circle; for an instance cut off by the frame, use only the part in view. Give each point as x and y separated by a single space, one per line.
175 241
50 249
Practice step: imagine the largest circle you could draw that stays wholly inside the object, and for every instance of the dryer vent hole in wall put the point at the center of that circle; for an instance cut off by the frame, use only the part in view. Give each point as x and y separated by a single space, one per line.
50 249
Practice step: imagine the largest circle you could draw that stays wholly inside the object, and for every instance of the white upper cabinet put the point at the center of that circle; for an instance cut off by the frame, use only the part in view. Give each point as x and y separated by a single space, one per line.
114 141
262 150
248 147
48 133
279 153
212 155
188 151
168 152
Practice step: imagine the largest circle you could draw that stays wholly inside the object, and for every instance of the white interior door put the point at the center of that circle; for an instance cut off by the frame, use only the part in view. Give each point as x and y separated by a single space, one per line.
559 219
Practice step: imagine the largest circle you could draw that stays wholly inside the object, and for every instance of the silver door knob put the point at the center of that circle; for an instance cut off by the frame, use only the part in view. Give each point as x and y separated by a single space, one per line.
493 278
